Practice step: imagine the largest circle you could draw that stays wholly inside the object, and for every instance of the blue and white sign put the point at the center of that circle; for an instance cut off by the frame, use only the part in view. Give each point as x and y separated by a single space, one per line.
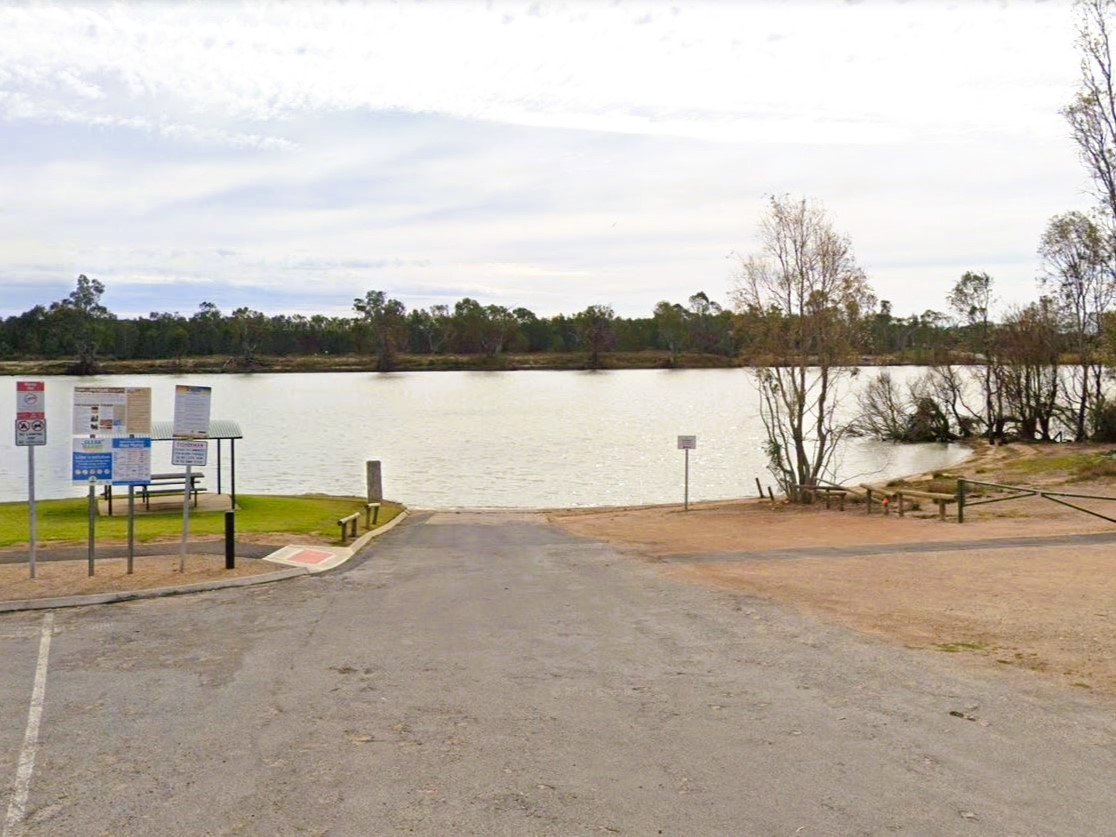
131 461
92 459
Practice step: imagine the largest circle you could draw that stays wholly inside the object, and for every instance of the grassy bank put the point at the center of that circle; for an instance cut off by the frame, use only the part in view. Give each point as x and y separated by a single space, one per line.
63 521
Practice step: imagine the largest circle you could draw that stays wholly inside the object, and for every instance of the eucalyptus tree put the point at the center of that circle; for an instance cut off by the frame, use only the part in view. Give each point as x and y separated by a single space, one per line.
805 298
1077 272
595 327
81 318
386 320
971 299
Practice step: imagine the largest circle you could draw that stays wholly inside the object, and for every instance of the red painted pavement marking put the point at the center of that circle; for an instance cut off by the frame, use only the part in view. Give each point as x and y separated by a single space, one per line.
310 556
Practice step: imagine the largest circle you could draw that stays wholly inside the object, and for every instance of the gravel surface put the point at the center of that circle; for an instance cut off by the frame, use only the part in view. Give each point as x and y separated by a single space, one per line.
494 675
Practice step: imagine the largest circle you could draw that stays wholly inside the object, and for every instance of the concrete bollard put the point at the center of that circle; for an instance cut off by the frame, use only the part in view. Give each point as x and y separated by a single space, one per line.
375 480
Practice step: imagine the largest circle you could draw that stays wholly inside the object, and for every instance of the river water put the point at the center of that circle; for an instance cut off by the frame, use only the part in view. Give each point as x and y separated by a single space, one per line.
454 439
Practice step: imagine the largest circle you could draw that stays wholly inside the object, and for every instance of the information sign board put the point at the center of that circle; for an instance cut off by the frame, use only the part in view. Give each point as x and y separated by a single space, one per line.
92 458
185 452
687 442
131 461
124 410
191 412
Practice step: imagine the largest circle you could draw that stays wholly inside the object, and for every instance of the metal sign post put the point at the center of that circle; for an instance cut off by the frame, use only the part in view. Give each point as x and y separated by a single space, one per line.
687 444
185 518
131 528
31 523
30 432
191 446
92 519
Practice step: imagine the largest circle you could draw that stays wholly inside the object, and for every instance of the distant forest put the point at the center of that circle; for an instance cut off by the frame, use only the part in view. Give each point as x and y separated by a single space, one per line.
82 328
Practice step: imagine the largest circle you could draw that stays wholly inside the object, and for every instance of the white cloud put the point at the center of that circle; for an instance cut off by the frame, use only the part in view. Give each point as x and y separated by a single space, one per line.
553 155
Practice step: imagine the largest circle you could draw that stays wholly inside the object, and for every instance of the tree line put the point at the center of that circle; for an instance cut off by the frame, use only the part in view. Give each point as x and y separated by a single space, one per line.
81 327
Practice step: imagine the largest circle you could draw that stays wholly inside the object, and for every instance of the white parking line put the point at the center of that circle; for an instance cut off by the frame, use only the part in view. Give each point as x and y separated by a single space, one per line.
18 806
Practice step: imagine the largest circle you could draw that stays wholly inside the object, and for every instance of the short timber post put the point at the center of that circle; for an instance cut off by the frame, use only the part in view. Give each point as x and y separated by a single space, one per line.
960 500
869 504
759 488
374 478
899 497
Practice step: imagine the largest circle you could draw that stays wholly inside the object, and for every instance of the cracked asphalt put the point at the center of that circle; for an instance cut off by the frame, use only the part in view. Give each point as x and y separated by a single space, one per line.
489 674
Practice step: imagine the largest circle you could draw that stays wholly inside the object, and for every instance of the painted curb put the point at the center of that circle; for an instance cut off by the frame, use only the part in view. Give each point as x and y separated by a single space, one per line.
153 593
342 554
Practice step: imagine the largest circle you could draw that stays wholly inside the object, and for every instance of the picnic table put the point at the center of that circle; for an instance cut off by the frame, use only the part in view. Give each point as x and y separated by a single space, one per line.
168 483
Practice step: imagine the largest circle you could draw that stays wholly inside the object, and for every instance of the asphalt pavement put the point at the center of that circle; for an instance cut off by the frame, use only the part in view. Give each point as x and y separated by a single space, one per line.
490 674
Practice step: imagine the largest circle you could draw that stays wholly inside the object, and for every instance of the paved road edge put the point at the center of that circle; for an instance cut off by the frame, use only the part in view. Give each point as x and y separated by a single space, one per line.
152 593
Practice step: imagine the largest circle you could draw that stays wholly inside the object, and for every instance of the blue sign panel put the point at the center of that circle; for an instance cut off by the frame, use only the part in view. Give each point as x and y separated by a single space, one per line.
131 461
92 459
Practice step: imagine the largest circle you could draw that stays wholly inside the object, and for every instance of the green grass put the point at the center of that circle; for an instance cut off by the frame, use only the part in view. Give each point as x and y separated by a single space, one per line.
1076 466
67 520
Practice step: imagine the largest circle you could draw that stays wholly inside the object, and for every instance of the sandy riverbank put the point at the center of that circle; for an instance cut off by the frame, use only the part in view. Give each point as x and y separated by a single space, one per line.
1047 608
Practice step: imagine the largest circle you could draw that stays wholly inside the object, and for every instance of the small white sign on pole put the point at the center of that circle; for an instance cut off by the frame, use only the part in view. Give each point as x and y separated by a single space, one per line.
687 442
185 452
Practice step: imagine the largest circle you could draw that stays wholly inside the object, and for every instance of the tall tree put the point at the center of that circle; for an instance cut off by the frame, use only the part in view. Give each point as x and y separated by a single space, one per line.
1092 113
595 328
670 322
1076 259
82 316
971 299
805 296
387 321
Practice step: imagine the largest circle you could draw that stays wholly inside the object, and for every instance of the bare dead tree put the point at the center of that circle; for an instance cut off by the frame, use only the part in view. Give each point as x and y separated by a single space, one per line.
806 296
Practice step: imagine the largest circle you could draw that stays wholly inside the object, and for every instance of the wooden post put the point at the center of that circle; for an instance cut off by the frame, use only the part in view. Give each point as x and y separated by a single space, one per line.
869 505
960 500
941 509
771 494
899 496
759 488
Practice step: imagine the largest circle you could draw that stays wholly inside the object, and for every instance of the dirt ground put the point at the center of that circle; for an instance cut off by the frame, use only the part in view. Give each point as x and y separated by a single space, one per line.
1048 609
69 578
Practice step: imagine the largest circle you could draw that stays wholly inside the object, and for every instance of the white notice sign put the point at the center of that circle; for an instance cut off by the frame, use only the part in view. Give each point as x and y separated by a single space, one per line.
189 453
131 461
112 410
687 442
191 412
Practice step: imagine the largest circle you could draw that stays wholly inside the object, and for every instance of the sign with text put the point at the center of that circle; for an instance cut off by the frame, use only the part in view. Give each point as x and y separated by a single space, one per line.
687 442
30 400
30 432
120 410
191 412
189 452
131 461
92 459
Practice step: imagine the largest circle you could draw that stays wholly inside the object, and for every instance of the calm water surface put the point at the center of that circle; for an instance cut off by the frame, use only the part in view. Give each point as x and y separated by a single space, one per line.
512 439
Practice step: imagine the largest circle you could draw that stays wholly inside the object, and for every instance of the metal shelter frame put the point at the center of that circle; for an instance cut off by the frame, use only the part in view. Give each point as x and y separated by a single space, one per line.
220 430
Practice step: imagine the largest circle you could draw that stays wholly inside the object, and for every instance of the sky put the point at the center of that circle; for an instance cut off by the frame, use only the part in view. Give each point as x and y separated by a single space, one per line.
291 156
